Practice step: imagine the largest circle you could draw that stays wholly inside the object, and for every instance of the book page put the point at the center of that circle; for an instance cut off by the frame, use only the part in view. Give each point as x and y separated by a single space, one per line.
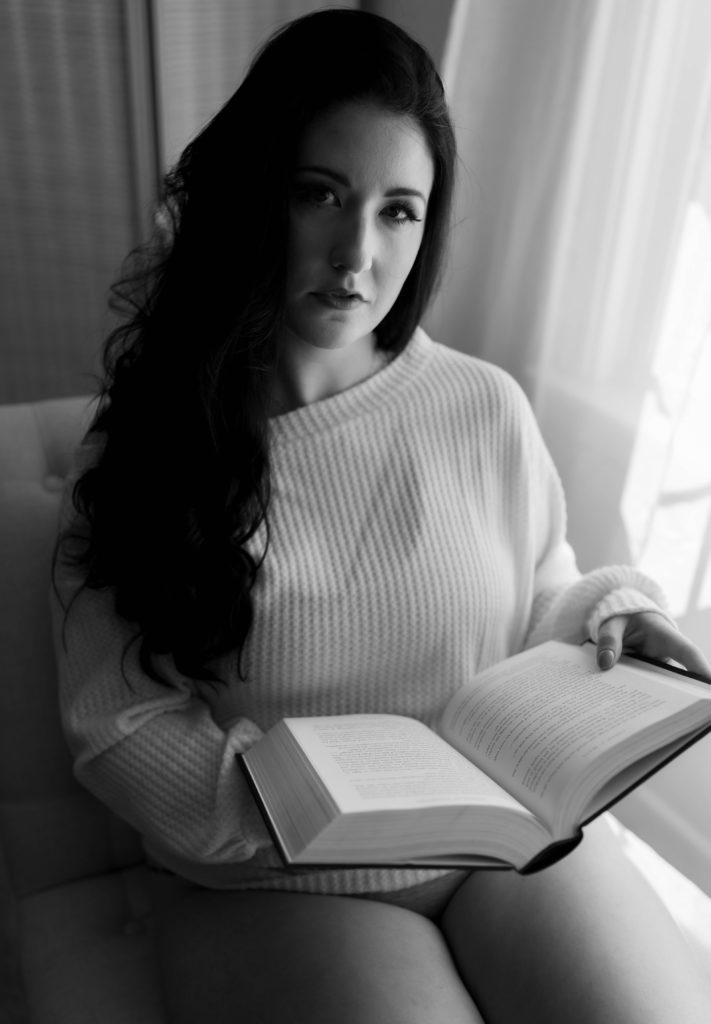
538 721
389 761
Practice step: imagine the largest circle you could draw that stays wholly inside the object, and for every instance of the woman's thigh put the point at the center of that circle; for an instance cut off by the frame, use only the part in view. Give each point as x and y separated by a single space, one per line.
272 957
584 940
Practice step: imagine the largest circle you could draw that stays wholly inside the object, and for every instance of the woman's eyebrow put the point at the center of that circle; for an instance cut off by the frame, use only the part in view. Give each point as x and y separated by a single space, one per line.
400 190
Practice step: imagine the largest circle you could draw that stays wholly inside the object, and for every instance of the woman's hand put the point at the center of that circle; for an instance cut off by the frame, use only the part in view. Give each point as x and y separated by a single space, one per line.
651 634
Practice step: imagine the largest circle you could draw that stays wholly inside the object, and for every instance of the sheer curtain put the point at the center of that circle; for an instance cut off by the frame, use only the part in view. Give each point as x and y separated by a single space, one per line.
582 263
69 191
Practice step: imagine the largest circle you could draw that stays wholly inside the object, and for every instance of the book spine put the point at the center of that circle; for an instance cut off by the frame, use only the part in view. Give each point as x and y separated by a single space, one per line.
552 854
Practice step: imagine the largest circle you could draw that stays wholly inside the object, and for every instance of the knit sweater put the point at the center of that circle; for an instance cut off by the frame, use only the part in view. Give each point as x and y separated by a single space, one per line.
417 536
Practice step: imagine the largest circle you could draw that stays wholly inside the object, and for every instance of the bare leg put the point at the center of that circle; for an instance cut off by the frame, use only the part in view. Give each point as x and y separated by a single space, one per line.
291 957
586 940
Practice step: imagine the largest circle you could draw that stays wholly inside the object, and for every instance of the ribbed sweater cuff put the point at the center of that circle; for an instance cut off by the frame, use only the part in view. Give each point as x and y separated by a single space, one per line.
623 601
611 590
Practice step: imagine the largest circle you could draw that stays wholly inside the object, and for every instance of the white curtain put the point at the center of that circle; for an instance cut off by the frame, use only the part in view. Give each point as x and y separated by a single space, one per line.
582 263
581 250
69 195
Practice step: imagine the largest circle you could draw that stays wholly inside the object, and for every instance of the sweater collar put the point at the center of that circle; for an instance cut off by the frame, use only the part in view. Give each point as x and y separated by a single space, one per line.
368 397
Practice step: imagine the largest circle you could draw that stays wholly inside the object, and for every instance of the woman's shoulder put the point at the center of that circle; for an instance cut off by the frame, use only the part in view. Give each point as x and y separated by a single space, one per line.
471 379
482 404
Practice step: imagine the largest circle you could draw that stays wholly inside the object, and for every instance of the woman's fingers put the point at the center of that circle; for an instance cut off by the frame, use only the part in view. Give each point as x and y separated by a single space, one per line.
648 633
682 650
610 640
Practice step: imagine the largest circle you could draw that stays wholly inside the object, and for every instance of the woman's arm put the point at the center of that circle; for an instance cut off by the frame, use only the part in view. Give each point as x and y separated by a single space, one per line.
152 753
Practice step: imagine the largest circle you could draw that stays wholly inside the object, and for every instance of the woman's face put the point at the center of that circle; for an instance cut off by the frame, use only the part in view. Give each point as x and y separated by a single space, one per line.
359 196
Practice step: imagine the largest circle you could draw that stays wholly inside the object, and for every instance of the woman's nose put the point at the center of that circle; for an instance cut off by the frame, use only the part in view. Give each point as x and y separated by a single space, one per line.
352 248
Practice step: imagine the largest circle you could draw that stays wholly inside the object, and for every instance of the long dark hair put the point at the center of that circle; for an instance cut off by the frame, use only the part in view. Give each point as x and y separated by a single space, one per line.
175 509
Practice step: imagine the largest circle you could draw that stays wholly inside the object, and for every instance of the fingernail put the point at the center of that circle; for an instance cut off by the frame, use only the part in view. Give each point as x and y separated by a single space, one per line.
606 658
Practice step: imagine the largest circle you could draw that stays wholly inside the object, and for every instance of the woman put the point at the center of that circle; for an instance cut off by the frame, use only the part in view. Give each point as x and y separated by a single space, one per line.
291 501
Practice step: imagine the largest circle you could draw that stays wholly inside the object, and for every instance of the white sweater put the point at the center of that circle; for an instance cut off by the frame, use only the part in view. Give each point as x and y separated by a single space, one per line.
417 536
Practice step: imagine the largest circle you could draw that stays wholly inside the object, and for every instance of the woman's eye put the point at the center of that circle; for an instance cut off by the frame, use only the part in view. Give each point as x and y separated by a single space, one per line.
322 196
318 195
401 213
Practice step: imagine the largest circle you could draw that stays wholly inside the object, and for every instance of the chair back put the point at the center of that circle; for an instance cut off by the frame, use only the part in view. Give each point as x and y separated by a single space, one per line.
51 829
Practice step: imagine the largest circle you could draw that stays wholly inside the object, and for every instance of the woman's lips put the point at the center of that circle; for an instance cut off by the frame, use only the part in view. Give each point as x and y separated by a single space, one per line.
339 300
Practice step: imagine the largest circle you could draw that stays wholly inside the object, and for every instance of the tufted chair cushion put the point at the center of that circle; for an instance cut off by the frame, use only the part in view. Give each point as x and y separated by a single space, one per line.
75 893
41 806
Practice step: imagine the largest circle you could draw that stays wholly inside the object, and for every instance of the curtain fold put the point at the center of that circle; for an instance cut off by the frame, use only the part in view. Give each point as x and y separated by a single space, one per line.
67 211
513 95
581 135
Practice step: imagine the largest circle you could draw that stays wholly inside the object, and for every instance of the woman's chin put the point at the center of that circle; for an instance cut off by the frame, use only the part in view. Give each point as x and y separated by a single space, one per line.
329 336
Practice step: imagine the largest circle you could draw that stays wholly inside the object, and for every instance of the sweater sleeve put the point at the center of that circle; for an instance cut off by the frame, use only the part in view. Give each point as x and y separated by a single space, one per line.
566 604
151 752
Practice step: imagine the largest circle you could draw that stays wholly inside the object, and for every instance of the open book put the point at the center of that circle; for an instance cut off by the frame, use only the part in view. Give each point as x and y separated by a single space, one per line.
522 757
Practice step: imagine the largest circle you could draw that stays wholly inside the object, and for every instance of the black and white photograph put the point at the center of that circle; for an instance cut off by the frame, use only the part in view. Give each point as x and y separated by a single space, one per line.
355 512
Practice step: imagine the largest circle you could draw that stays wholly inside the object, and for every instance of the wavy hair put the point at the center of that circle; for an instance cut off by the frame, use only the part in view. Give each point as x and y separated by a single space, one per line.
174 512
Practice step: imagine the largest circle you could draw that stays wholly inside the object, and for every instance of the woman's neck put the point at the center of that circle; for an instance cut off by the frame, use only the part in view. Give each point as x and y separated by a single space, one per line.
307 374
